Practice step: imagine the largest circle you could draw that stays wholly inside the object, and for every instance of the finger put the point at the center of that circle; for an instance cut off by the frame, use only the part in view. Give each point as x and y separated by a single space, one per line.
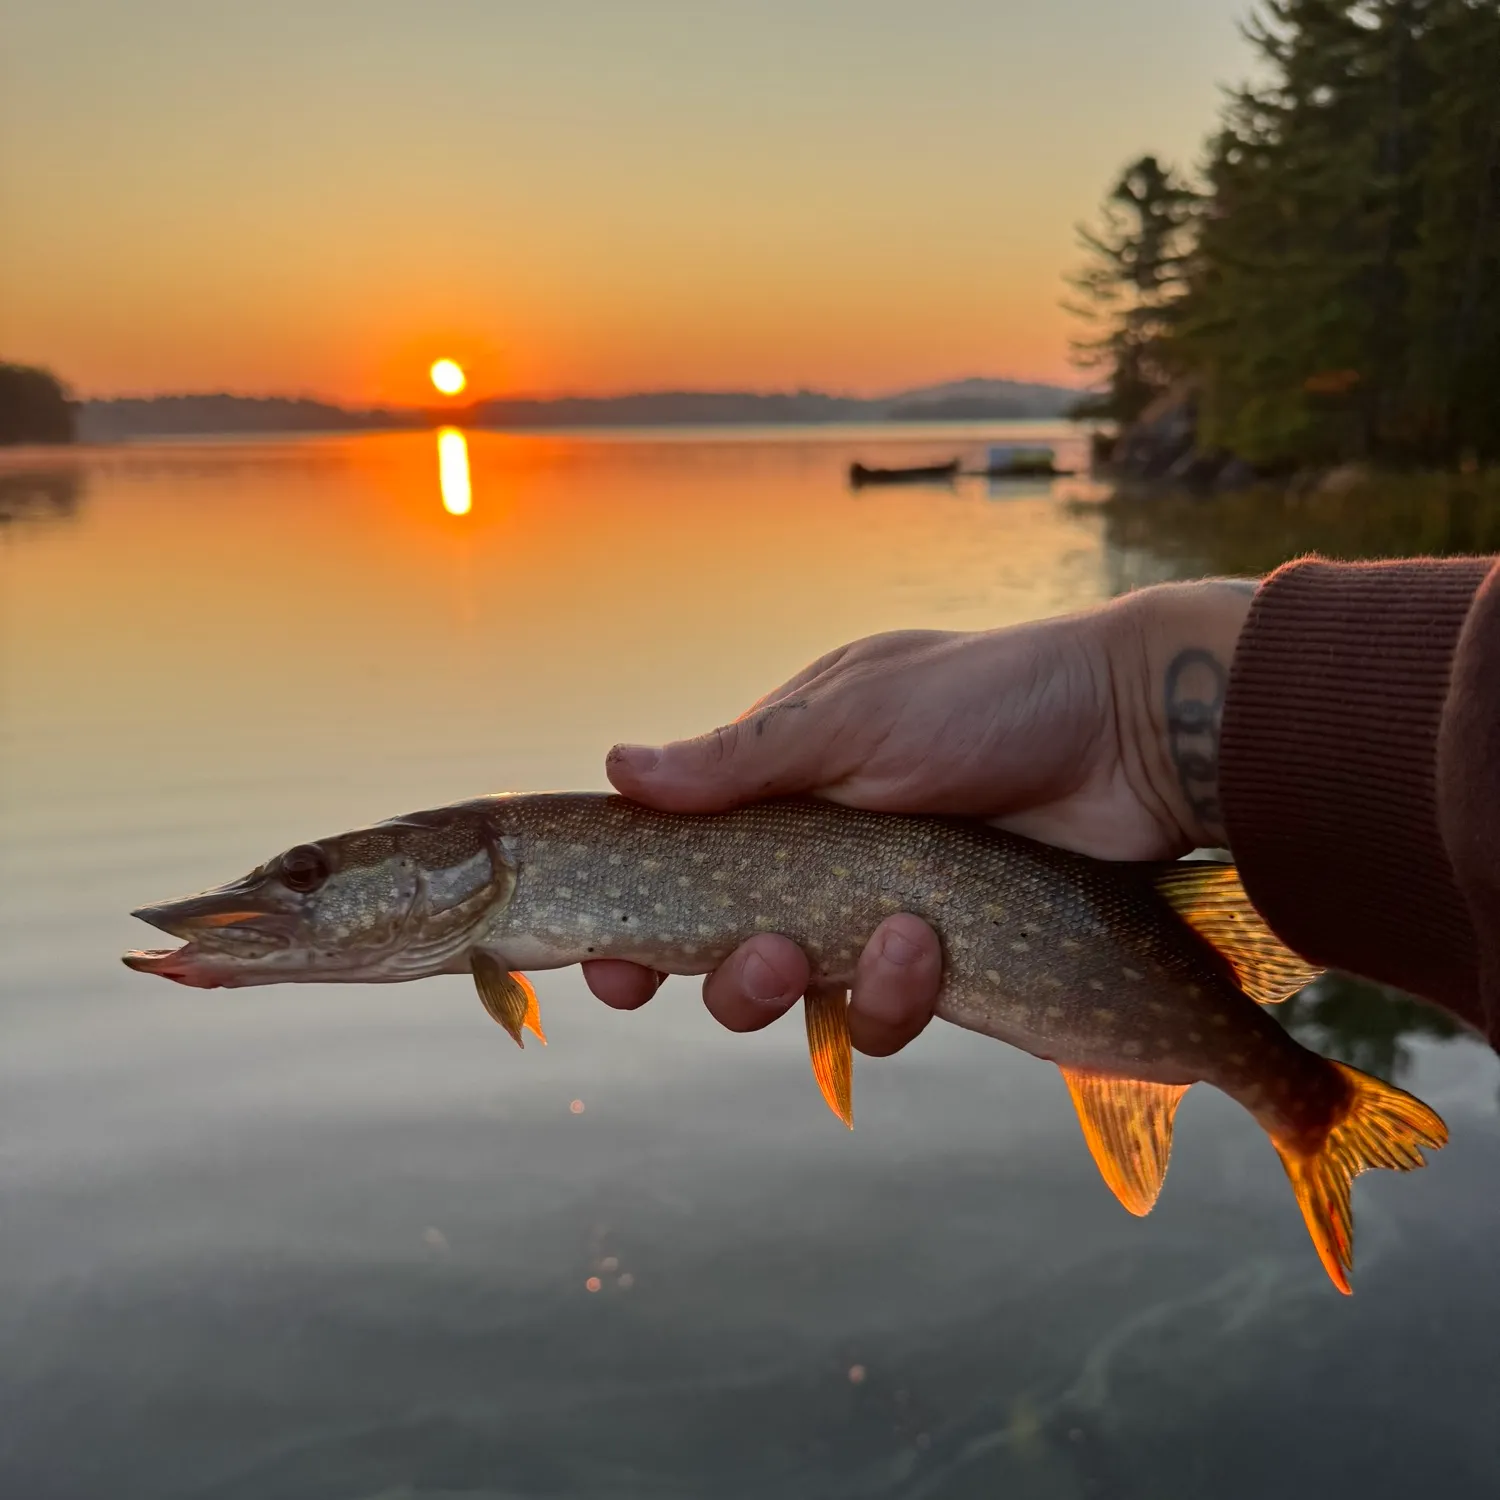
621 985
895 985
760 981
779 747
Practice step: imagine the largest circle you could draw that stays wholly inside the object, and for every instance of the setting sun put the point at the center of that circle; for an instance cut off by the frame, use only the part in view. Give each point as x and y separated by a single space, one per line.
448 377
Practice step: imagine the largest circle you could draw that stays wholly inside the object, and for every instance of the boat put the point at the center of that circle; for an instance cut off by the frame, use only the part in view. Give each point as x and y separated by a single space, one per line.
1010 461
860 475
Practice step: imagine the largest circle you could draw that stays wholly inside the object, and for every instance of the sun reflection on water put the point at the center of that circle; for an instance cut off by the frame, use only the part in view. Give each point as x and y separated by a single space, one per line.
453 472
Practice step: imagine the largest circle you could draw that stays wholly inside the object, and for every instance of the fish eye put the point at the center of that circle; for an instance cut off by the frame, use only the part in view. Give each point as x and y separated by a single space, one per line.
304 868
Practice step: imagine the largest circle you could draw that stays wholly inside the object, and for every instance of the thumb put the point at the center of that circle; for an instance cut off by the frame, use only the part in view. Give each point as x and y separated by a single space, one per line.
774 751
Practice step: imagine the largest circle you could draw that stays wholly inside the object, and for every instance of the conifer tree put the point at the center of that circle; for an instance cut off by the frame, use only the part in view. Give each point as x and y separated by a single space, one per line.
1131 282
1335 291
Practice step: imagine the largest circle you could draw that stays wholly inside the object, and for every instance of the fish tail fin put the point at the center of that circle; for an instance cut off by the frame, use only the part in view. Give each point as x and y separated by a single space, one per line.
1379 1126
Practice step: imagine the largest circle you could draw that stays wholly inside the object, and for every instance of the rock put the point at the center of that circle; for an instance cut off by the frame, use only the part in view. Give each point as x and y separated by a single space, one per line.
1162 437
1343 479
1235 475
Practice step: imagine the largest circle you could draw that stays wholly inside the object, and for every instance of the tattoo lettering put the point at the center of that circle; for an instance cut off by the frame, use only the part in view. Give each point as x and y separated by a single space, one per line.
1196 684
764 715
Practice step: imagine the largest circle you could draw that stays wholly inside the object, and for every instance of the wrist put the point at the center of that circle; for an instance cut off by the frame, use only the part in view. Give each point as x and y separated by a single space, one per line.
1172 677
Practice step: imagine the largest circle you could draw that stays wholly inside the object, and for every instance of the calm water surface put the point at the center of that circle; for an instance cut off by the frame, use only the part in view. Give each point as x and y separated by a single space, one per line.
339 1242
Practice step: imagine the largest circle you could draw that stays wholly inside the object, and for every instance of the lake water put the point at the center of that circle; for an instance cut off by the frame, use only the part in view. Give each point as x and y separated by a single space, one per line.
340 1241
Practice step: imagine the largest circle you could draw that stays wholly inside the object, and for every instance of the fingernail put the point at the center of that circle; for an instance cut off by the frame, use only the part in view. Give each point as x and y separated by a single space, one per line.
641 759
761 981
899 949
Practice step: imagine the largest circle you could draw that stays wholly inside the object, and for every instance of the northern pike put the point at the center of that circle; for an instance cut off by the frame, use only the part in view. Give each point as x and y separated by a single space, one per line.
1136 980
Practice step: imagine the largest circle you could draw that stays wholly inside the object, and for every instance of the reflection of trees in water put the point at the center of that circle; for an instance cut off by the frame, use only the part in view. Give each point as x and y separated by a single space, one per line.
1151 538
40 494
1364 1024
195 459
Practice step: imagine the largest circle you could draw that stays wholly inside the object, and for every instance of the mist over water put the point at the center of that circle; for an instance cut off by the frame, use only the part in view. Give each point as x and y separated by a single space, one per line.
344 1242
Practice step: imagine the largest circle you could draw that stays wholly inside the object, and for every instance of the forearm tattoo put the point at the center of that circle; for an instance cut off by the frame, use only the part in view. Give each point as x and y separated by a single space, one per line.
1195 687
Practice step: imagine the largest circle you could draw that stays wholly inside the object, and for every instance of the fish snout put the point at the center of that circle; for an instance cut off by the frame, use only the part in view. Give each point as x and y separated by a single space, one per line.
229 934
230 912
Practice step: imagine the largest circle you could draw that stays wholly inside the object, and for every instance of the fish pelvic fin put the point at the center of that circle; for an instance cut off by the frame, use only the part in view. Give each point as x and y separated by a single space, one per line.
1210 898
533 1019
509 998
1128 1126
1379 1126
827 1010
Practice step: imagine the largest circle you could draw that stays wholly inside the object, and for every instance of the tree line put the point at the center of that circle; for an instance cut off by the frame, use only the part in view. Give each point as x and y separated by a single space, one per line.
34 406
1327 285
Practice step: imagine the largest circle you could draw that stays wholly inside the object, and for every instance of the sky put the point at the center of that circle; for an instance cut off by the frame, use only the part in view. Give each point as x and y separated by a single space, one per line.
323 196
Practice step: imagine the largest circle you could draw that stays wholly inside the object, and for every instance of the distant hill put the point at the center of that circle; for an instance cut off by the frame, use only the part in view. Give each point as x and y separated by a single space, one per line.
197 416
669 409
201 415
1034 399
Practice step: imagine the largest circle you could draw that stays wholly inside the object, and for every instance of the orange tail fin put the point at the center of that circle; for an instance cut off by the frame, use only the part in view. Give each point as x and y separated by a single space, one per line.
1381 1126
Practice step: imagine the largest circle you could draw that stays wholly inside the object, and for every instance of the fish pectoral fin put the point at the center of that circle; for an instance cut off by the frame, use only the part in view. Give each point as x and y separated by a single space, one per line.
826 1007
1211 899
509 998
1379 1126
1128 1126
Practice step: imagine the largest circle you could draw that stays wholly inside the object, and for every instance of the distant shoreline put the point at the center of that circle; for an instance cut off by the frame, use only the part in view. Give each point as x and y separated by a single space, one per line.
940 434
223 415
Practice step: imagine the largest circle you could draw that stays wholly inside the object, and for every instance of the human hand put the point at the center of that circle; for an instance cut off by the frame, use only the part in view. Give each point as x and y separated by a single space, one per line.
1095 731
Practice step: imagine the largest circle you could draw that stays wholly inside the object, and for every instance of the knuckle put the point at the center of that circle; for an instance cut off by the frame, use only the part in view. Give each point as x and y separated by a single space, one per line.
721 744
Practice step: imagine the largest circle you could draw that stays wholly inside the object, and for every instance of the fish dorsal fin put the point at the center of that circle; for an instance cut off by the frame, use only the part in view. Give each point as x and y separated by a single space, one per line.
1128 1125
509 998
1209 897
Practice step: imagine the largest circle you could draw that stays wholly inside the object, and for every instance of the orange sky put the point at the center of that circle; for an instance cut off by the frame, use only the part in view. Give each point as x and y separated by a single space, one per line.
324 195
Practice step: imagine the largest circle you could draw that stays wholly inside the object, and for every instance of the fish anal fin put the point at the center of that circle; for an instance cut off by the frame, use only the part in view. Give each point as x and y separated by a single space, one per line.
509 998
1127 1123
826 1007
1379 1126
1210 898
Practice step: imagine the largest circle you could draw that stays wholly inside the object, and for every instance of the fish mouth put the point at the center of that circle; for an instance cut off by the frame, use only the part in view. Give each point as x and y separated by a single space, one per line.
224 930
172 963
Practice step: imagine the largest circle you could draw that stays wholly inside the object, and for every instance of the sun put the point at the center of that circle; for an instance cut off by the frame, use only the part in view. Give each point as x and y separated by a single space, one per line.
448 377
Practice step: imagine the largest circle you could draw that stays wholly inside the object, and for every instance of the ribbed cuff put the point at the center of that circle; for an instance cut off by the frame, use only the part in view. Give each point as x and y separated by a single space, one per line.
1328 769
1468 776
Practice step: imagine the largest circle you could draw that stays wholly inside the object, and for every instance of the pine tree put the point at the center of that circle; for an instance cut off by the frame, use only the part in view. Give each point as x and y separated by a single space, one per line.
1336 292
1131 283
1286 313
1453 374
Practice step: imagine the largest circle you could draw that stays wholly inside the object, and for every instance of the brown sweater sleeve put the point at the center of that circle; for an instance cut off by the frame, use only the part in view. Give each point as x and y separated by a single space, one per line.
1360 772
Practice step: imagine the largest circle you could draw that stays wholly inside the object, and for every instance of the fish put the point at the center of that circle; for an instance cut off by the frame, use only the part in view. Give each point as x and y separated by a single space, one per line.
1137 980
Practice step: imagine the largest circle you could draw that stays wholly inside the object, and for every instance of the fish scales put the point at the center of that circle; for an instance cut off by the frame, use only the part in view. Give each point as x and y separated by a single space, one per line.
1136 980
1072 960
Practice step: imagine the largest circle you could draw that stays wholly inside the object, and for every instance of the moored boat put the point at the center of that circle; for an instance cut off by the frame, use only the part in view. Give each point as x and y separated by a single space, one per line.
916 474
1012 461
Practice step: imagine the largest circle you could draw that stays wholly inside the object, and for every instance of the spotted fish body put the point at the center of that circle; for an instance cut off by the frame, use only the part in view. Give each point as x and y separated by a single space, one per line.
1136 980
1072 959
